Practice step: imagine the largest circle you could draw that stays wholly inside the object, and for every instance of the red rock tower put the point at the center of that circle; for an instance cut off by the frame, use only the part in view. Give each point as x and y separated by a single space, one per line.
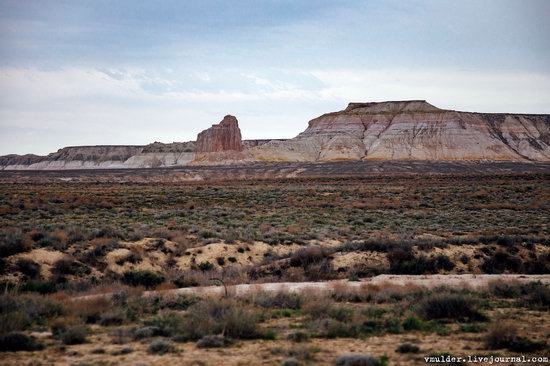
225 136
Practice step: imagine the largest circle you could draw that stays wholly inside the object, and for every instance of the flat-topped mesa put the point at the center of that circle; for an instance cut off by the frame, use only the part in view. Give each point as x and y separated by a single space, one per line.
414 130
225 136
396 106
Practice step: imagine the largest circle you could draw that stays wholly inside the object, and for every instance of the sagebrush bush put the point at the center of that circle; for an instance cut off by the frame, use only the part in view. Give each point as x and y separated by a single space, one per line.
505 335
308 256
73 334
280 300
501 262
28 267
403 261
356 359
166 324
14 342
146 279
13 242
18 312
42 287
536 295
213 341
161 346
449 306
209 317
407 348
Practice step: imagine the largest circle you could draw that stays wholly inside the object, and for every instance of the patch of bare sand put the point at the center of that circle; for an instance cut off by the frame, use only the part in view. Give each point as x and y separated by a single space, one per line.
368 259
45 258
233 254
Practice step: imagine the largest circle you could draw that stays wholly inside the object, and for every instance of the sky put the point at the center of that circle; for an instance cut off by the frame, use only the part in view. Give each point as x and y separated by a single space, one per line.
130 72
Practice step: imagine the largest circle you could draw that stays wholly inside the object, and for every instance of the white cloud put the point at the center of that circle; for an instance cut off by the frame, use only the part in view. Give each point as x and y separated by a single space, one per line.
452 89
136 106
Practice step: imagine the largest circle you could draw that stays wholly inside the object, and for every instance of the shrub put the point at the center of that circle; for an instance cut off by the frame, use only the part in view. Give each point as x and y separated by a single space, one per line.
90 310
305 257
42 287
536 295
13 243
76 234
449 306
412 323
502 262
147 332
280 300
113 317
167 324
14 342
73 334
17 312
161 346
317 308
209 317
68 266
505 335
291 361
441 262
28 267
146 279
472 328
179 302
213 341
504 289
331 328
407 348
205 266
403 261
298 337
356 359
540 265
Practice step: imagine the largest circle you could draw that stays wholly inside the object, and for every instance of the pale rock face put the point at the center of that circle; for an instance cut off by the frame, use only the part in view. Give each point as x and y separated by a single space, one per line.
400 130
414 130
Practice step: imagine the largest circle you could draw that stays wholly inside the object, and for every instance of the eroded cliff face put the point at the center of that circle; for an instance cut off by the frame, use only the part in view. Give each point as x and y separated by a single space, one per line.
414 130
221 144
74 157
399 130
225 136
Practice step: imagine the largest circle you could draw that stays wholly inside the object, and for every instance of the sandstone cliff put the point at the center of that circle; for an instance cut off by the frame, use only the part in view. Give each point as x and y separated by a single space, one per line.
74 157
221 144
225 136
414 130
399 130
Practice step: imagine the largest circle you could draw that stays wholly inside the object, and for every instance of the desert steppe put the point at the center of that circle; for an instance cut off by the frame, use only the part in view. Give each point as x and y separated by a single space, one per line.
281 263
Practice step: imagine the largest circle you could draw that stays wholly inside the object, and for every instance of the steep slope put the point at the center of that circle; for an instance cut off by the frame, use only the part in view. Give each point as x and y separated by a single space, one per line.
221 143
414 130
397 130
75 157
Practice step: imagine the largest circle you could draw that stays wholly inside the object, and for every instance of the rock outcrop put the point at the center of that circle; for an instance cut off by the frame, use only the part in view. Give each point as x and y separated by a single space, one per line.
225 136
414 130
399 130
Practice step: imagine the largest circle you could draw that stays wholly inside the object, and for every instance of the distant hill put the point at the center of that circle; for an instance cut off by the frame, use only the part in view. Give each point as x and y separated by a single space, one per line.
394 130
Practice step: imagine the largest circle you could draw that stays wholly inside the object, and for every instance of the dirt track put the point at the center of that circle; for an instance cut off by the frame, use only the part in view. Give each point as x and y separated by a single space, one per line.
465 281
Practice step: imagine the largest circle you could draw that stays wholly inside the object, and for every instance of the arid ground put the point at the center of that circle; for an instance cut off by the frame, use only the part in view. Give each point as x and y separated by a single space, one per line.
114 234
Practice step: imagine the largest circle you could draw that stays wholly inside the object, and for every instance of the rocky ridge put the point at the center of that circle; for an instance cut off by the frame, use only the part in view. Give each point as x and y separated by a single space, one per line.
415 130
395 130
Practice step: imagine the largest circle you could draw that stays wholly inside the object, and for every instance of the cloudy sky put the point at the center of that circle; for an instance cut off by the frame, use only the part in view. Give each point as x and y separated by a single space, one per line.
80 72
